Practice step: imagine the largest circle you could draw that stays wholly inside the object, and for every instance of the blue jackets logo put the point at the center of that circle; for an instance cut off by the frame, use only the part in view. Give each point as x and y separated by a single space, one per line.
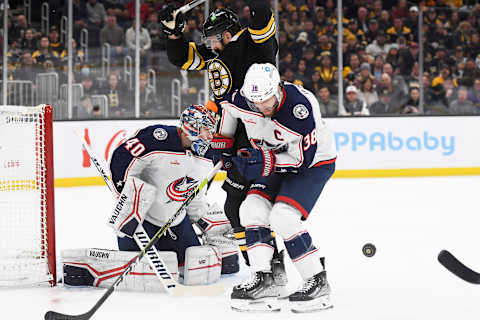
180 189
388 141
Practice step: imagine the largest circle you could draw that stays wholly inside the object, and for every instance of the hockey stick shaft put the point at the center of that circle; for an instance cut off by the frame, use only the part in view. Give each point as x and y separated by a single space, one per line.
456 267
189 6
140 236
52 315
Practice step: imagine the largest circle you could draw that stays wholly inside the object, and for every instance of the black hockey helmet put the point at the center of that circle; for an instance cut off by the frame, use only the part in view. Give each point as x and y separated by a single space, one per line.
219 21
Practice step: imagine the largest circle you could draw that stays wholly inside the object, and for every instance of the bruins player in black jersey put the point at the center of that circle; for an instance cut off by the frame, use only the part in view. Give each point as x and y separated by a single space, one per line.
228 50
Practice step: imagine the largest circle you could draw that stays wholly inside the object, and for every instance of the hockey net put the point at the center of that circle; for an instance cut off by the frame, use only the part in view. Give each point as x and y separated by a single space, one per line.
27 233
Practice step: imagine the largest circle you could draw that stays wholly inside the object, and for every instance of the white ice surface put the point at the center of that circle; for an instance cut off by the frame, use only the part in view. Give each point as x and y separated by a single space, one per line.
408 219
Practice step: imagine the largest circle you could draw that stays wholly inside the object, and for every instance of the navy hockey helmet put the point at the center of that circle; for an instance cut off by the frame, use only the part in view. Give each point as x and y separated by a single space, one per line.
219 21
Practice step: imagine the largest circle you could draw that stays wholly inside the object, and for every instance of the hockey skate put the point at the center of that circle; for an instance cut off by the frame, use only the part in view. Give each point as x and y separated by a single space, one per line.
258 294
313 296
279 275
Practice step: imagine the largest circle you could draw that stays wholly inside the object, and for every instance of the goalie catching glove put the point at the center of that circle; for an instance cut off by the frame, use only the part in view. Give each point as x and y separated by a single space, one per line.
172 20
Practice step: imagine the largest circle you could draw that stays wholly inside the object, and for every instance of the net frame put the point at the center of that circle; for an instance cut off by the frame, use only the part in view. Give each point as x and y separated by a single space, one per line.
38 266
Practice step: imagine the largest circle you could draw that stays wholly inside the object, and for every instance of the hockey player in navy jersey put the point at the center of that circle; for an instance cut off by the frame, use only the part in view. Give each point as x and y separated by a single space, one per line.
226 54
291 157
153 172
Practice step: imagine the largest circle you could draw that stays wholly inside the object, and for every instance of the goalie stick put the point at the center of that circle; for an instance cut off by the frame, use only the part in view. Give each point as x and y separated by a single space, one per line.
454 265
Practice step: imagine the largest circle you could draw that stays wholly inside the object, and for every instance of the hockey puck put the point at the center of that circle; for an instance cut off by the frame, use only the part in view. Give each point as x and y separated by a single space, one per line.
369 250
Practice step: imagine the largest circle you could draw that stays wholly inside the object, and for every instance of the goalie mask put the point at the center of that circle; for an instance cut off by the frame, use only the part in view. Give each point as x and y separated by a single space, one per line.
261 82
217 23
193 118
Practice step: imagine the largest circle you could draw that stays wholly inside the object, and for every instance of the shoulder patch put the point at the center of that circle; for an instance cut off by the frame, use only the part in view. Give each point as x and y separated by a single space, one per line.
300 112
160 134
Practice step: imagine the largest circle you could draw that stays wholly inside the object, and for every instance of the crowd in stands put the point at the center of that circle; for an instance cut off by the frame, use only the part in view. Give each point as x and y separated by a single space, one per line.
380 52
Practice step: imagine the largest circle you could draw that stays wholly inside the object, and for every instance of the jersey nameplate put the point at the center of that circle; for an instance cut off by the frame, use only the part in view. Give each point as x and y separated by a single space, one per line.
219 78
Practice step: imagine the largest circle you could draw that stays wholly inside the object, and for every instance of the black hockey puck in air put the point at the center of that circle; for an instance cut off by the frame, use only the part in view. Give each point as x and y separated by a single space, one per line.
369 250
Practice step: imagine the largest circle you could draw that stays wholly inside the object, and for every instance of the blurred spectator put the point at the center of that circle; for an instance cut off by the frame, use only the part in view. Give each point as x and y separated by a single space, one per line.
372 31
362 17
119 103
378 68
44 52
353 29
328 106
148 102
27 70
407 58
20 28
300 43
450 86
154 28
397 80
473 48
384 21
90 86
84 109
393 57
29 42
293 25
300 76
54 40
327 70
397 94
444 73
191 32
412 106
309 28
470 73
95 12
379 46
353 66
367 93
384 104
353 105
364 72
114 36
401 10
78 55
314 82
430 18
436 102
145 44
144 10
474 94
398 30
462 105
310 60
463 34
411 21
118 9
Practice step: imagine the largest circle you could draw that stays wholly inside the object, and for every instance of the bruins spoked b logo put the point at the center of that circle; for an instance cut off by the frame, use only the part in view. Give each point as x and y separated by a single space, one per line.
219 78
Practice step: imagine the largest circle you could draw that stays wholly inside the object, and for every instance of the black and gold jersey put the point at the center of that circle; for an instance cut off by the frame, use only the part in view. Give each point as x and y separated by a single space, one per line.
226 70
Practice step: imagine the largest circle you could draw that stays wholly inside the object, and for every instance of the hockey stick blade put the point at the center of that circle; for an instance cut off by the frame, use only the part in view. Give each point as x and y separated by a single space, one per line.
454 265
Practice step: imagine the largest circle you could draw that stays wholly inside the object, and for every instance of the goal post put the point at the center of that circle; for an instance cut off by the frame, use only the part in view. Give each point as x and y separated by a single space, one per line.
27 221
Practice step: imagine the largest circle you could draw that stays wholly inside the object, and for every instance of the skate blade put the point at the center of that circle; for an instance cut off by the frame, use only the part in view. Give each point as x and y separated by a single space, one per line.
264 305
319 304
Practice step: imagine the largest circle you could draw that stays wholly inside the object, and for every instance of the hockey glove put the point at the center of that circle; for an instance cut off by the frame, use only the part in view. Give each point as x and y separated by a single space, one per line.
222 150
255 163
173 22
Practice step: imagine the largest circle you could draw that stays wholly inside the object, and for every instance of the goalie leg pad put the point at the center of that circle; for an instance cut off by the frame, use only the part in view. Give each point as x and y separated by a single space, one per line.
203 265
132 206
101 267
218 232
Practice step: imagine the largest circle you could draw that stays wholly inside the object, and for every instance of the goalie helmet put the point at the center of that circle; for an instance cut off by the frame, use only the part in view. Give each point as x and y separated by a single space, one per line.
261 83
195 117
219 21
